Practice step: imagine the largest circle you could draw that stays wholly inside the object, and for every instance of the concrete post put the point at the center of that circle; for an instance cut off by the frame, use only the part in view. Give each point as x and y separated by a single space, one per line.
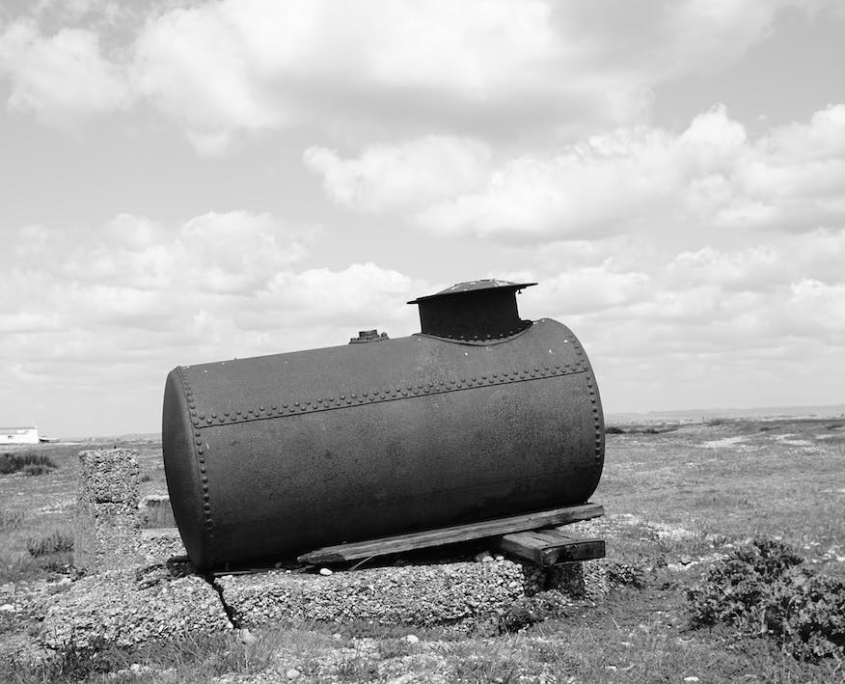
107 524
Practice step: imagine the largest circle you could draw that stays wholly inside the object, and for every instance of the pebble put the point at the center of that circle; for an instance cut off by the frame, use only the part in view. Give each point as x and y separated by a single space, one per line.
691 679
412 639
7 608
325 572
248 637
292 673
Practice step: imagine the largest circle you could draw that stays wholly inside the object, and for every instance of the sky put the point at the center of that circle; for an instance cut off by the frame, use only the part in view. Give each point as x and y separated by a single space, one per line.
192 181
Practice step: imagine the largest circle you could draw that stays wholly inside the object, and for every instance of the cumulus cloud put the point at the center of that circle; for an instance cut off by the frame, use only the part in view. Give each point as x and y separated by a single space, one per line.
142 294
712 176
509 67
60 76
410 173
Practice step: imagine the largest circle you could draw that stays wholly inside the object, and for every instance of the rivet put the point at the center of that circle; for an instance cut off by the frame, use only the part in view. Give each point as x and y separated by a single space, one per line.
483 377
308 403
296 403
353 395
593 399
193 413
199 451
416 391
197 434
238 412
274 407
342 397
348 401
199 442
202 469
260 408
365 394
209 421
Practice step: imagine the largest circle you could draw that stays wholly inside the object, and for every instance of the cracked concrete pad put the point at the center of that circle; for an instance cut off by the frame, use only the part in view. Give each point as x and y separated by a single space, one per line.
421 595
125 607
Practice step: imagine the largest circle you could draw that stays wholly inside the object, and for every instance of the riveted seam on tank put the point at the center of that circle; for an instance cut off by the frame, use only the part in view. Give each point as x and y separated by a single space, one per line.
208 521
377 396
597 420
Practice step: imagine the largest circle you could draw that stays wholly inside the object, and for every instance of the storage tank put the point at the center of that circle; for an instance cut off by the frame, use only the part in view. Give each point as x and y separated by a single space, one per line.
478 416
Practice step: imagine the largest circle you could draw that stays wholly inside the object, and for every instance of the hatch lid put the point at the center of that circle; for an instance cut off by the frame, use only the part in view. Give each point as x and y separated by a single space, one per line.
473 311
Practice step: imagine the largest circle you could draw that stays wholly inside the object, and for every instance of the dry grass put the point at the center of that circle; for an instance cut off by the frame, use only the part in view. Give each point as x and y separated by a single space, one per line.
38 508
676 500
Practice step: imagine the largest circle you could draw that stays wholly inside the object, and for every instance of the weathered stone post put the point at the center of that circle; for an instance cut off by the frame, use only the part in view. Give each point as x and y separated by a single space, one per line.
107 524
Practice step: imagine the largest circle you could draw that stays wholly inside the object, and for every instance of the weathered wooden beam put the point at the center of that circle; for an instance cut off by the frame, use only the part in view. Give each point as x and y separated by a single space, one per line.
450 535
550 546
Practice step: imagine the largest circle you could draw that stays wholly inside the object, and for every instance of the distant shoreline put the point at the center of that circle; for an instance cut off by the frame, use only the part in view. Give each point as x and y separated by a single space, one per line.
831 411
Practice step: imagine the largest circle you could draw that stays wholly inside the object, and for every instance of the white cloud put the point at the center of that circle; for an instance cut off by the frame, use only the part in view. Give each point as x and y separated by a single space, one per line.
412 173
513 68
143 295
712 176
62 76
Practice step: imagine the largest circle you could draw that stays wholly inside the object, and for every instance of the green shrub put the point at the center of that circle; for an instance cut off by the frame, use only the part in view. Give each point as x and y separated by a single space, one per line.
761 590
54 543
29 463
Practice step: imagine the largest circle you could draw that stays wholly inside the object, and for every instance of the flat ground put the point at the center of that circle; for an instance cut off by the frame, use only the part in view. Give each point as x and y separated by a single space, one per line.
678 498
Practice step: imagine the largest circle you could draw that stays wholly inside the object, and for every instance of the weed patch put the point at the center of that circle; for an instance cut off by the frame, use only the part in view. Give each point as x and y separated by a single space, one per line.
28 463
52 544
760 589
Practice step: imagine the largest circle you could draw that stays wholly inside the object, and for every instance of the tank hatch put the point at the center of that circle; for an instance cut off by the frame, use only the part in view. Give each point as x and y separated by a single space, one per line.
474 311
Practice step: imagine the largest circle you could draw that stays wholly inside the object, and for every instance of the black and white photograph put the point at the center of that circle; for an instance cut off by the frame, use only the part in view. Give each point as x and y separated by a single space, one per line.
411 341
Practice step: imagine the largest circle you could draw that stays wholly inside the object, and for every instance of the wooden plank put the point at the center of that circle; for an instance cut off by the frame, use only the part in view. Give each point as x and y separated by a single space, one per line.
550 547
450 535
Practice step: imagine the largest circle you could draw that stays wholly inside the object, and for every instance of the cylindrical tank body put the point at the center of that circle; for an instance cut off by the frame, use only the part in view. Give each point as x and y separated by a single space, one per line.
270 457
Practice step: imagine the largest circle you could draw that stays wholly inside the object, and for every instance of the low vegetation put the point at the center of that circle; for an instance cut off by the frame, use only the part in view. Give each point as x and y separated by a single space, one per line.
763 589
28 463
726 549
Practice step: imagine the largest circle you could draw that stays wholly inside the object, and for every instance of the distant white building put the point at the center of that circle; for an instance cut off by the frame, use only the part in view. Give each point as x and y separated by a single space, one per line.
18 435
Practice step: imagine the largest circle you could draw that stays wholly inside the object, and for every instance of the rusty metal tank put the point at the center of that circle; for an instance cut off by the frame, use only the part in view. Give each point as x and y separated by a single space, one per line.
480 415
